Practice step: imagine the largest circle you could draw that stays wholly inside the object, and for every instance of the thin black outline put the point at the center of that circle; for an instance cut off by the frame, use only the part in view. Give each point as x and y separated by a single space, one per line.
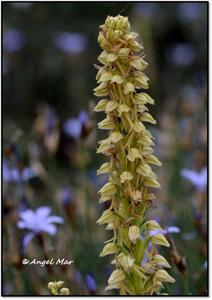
79 2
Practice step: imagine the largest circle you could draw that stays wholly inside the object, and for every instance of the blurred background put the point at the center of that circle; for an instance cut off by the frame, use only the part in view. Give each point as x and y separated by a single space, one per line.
50 188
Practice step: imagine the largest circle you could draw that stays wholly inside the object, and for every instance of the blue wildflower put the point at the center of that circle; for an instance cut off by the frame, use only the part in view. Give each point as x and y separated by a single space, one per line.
83 117
13 40
38 221
170 229
182 54
78 278
189 12
70 42
73 126
66 195
198 179
90 283
14 175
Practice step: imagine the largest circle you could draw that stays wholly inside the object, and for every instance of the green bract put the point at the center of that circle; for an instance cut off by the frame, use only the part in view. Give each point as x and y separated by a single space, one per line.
129 148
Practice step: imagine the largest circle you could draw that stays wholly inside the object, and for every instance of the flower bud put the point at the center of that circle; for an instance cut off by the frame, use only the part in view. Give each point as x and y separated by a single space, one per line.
162 275
64 291
111 106
128 88
123 108
160 239
146 117
103 58
116 277
126 261
133 154
107 123
138 63
138 126
148 98
160 260
109 248
51 285
123 53
134 233
101 105
106 217
59 284
143 169
151 159
105 168
105 145
112 57
153 225
105 76
117 79
137 196
116 137
151 182
101 90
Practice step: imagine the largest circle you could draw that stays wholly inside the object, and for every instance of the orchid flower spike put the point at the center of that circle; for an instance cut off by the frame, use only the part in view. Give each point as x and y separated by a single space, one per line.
130 155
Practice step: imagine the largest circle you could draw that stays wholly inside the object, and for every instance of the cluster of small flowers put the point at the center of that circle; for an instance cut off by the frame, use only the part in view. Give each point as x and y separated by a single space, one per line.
129 148
56 288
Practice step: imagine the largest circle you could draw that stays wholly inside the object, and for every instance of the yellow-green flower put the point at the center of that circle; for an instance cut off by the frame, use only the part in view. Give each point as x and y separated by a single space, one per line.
56 288
128 146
